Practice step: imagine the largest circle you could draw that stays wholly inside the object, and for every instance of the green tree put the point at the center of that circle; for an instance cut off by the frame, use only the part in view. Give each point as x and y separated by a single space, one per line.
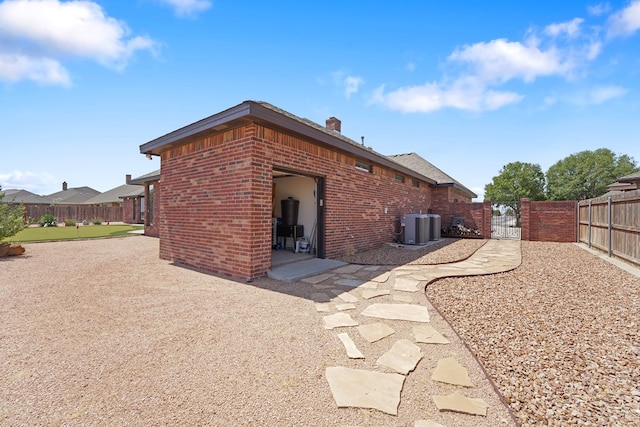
586 174
516 180
11 219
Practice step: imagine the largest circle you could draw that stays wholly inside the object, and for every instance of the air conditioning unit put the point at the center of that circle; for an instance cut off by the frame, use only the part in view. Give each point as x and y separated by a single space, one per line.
416 229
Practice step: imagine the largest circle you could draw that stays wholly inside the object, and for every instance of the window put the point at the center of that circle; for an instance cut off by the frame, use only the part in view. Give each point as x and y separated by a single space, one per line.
364 167
415 183
399 178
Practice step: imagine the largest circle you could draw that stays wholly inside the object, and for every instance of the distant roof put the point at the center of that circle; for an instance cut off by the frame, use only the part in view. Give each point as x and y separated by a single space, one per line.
424 167
634 177
263 112
73 196
148 177
115 195
622 186
24 196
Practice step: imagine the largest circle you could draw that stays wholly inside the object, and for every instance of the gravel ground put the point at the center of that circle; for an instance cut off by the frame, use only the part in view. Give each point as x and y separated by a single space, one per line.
102 332
444 251
105 333
559 335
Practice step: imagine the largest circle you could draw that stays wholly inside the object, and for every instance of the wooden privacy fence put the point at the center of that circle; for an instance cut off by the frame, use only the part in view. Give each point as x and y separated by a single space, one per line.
612 224
75 212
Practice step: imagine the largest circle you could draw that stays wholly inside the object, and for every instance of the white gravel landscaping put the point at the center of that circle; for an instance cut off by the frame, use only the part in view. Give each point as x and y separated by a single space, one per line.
559 335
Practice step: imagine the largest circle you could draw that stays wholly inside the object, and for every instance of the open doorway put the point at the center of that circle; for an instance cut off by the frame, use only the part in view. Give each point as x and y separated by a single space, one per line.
297 217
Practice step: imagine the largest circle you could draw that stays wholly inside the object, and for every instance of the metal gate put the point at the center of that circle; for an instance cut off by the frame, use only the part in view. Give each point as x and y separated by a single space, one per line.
505 221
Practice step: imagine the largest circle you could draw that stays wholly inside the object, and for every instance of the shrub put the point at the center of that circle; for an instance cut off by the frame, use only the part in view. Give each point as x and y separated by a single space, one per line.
48 220
11 218
96 221
69 223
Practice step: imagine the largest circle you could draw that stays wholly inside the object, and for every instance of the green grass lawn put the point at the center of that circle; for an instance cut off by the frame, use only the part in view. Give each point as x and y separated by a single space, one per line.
43 234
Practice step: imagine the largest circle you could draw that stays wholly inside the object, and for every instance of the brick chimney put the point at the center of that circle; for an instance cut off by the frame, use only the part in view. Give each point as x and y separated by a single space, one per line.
64 186
334 124
127 178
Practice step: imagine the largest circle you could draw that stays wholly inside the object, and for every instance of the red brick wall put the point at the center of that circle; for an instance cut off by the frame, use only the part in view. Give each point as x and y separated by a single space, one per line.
216 199
477 215
549 221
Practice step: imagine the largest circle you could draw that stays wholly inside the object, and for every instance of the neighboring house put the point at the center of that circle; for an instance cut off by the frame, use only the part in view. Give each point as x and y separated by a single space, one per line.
455 193
226 179
72 196
24 197
134 207
626 183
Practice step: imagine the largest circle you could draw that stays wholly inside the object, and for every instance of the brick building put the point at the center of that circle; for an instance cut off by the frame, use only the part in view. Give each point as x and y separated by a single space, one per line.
223 181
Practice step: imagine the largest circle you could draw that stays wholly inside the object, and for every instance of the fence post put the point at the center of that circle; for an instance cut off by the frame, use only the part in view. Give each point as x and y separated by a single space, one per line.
578 223
609 223
589 226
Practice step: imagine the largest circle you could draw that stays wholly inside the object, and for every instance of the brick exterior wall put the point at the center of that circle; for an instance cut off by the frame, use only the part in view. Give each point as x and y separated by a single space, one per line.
216 199
477 215
131 213
549 221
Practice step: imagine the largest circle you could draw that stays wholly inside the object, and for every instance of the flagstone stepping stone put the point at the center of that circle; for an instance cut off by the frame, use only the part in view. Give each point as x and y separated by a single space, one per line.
371 268
372 293
402 358
338 320
347 269
317 279
382 278
427 423
410 312
344 296
350 346
428 335
402 297
406 284
354 283
322 287
320 297
360 388
345 306
369 285
375 331
450 371
457 403
322 307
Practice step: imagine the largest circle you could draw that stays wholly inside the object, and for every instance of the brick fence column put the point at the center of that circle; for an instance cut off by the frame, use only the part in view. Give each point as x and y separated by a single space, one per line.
525 219
487 213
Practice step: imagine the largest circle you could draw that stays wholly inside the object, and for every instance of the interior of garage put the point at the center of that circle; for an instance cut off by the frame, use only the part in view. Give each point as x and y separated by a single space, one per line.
294 217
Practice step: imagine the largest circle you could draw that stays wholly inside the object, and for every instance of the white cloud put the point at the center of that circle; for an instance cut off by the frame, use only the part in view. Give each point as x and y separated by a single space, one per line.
31 181
603 94
625 22
500 60
599 9
16 67
188 7
476 72
41 33
570 28
348 84
430 97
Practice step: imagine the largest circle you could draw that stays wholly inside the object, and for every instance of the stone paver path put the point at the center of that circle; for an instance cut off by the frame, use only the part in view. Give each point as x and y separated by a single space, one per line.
377 298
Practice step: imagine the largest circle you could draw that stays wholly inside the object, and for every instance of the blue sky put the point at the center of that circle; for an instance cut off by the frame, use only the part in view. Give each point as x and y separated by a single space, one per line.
468 85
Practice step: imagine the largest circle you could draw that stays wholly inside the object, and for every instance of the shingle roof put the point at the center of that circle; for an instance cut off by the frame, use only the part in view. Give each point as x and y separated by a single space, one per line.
630 178
73 196
264 112
115 195
151 176
424 167
24 196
